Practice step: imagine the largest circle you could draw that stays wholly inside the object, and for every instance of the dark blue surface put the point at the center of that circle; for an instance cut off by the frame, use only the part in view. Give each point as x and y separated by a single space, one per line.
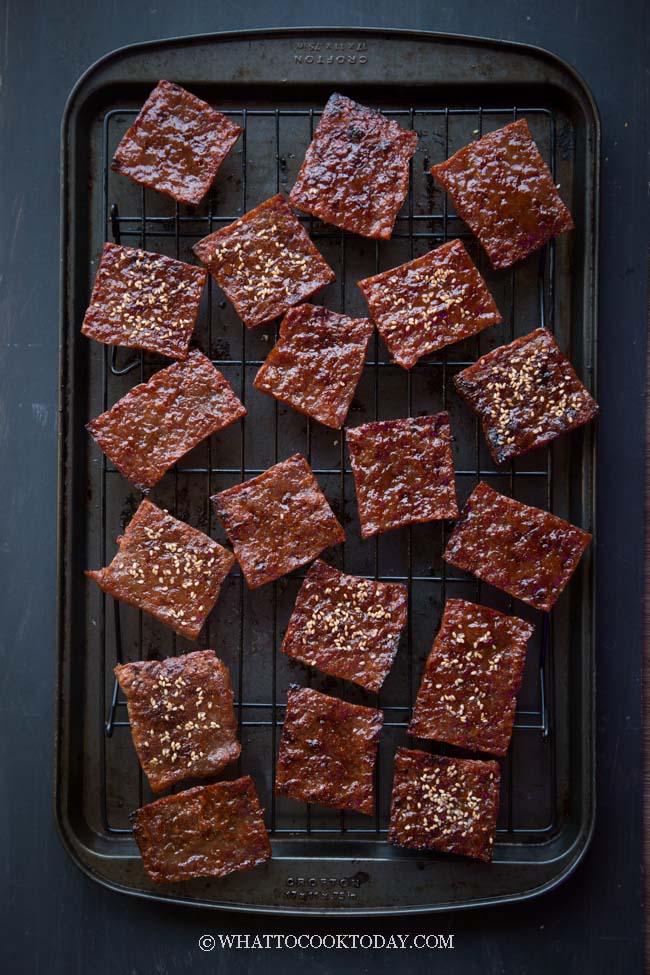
53 919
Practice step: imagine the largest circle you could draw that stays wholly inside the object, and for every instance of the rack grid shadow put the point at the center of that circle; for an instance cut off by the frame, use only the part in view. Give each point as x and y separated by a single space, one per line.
246 627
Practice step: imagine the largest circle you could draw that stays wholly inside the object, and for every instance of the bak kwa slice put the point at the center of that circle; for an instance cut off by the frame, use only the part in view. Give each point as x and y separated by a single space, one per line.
265 262
143 300
166 568
207 831
347 626
444 804
176 144
472 676
316 363
428 303
526 394
403 472
158 422
328 751
277 521
356 171
503 190
527 552
181 716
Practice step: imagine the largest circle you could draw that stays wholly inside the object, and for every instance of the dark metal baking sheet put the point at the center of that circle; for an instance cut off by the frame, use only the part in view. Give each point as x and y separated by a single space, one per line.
276 82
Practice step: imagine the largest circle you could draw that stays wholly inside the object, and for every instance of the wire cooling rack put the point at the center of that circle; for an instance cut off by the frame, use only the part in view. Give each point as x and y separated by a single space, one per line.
246 627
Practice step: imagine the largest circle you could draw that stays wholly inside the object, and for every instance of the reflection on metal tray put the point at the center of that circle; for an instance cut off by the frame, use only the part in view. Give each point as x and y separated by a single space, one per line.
274 84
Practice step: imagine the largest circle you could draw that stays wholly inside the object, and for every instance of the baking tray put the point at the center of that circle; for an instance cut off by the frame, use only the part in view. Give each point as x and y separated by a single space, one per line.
450 89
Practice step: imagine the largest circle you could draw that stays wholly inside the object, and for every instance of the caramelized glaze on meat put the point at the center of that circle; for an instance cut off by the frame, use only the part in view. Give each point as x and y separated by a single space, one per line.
347 626
265 262
207 831
328 751
144 301
403 472
445 804
158 422
181 716
472 676
316 363
176 144
167 569
502 188
277 521
356 171
429 303
525 551
526 394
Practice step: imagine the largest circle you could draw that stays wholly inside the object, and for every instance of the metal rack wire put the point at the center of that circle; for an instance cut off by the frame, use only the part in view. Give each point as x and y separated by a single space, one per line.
434 226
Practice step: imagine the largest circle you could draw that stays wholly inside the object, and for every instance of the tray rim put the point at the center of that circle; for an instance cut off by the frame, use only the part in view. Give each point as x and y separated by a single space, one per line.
577 850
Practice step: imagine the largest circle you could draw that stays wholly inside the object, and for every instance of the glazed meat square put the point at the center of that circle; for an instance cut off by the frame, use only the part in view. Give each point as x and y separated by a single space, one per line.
181 715
328 751
316 363
527 552
265 262
144 301
444 804
526 394
277 521
207 831
403 472
347 626
158 422
472 676
356 171
429 303
503 190
167 569
176 144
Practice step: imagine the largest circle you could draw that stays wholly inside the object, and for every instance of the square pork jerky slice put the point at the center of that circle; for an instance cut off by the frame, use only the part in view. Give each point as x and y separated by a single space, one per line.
472 676
356 171
527 552
429 303
176 144
167 569
503 190
158 422
526 394
328 751
144 301
347 626
181 716
207 831
316 363
265 262
277 521
403 472
445 804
